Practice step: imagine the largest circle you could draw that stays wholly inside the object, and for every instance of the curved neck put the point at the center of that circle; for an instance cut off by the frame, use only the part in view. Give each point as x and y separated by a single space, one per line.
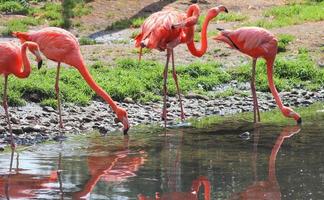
203 41
86 75
273 156
24 73
271 83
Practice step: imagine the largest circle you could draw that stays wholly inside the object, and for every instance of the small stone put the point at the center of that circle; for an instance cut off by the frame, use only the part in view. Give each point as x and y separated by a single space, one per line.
48 109
14 120
30 117
17 130
2 130
191 95
245 135
128 100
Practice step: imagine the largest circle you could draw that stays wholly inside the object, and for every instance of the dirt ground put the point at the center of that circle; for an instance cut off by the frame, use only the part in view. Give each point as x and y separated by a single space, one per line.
105 12
309 35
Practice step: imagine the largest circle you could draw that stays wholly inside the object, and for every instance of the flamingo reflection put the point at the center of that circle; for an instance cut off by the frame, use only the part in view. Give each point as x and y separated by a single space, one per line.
116 167
20 185
267 189
190 195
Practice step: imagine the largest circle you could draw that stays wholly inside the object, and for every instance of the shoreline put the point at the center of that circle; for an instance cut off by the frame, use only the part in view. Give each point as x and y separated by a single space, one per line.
34 124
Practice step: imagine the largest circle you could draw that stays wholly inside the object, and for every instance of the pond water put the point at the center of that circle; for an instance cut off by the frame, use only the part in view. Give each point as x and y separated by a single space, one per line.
268 162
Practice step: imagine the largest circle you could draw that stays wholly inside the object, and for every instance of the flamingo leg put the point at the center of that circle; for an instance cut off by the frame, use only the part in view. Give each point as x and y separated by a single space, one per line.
140 54
165 78
57 90
174 73
256 112
5 107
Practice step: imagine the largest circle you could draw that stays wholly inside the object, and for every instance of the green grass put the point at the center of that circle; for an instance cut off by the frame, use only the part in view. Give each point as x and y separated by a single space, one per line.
87 41
12 7
231 17
143 81
283 41
269 117
48 13
291 14
127 23
289 73
20 24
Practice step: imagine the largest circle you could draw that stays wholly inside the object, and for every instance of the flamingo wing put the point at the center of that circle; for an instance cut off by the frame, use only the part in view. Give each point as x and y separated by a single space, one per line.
253 37
56 44
157 28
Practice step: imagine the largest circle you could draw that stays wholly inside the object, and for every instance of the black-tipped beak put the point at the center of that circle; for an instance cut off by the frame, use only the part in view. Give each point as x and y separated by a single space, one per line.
39 64
226 10
220 29
299 121
126 131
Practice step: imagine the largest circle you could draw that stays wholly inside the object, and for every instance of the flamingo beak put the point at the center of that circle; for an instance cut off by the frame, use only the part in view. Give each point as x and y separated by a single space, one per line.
39 59
126 125
299 121
39 64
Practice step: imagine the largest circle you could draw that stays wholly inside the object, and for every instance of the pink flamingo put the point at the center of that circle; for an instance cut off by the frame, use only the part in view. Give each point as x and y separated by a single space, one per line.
12 58
269 188
61 46
166 29
258 42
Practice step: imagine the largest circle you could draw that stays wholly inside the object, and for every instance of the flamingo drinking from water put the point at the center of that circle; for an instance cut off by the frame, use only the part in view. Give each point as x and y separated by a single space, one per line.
258 42
13 60
61 46
166 29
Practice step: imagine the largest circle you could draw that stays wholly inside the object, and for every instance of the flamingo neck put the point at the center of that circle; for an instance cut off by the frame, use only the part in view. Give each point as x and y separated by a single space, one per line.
91 82
273 156
272 85
24 73
203 42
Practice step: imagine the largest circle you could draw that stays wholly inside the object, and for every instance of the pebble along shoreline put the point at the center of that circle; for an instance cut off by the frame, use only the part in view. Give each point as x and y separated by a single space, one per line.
34 124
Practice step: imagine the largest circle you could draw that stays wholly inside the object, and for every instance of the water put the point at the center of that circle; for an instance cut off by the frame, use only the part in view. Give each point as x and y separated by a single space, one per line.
269 162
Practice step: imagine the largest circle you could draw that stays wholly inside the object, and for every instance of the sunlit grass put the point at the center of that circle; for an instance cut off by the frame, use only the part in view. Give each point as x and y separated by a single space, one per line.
270 117
291 14
143 81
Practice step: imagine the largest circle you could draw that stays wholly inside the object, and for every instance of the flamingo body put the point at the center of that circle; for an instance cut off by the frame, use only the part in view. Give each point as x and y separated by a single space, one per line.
157 31
166 29
61 46
13 60
10 59
258 42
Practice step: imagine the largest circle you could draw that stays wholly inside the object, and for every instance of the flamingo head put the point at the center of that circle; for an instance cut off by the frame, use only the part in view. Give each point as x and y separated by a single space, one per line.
223 36
288 112
122 117
213 12
34 49
22 36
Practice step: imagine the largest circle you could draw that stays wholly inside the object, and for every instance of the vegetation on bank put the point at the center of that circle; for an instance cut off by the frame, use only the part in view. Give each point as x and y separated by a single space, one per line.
312 113
291 14
45 12
143 81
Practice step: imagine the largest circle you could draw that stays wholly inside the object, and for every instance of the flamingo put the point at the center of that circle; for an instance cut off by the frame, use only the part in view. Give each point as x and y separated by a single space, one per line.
269 188
12 58
258 42
166 29
61 46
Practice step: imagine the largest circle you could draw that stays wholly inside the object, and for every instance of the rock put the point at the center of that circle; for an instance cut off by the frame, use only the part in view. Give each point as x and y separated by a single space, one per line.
30 117
17 130
128 100
48 109
2 130
14 120
191 95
